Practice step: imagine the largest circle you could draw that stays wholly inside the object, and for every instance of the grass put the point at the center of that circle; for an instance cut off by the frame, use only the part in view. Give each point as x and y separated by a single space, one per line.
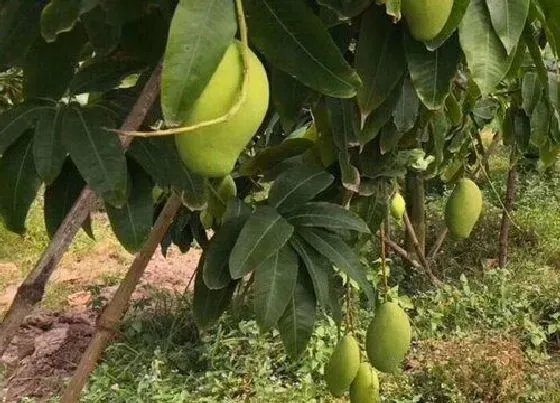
488 335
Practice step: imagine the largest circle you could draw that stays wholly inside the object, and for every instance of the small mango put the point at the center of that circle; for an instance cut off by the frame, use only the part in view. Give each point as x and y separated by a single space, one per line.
398 205
388 337
463 208
365 387
426 18
343 365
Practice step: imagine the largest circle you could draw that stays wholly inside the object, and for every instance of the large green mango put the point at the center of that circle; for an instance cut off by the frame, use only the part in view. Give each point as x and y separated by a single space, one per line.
213 151
463 208
426 18
343 365
388 337
365 387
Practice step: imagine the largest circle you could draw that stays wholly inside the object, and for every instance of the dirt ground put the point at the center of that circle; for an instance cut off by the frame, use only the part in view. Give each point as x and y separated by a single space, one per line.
48 346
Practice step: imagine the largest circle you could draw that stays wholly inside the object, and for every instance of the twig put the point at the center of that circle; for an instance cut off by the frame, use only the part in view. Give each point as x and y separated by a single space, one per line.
383 260
418 249
32 289
508 207
404 254
109 319
438 243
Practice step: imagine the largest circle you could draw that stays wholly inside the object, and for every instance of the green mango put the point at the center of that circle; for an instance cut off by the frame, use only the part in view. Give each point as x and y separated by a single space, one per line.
426 18
463 208
365 387
212 151
343 365
388 337
398 206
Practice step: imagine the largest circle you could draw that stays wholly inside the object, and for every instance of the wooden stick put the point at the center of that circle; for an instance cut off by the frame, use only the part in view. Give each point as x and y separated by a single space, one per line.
32 289
403 254
437 245
115 309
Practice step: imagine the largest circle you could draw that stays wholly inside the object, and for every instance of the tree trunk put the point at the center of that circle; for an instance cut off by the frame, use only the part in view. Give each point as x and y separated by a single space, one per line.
32 289
416 209
510 200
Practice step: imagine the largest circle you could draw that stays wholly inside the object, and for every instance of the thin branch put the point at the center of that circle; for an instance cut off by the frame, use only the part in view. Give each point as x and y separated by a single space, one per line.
109 319
382 247
403 254
438 243
32 289
418 249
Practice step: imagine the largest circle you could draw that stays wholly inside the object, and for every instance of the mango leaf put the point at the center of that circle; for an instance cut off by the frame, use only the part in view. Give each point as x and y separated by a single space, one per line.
508 19
487 59
551 14
540 125
330 216
275 279
60 196
288 96
102 74
49 67
208 305
19 26
159 158
48 151
379 59
60 16
200 33
264 233
19 183
132 222
293 39
296 186
103 36
274 155
322 275
406 111
432 72
390 137
346 8
16 120
340 254
180 232
531 91
96 151
455 18
379 117
216 262
297 322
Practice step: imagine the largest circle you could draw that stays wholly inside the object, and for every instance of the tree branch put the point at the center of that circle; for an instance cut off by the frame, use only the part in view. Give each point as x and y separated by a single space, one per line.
437 244
32 289
109 319
403 254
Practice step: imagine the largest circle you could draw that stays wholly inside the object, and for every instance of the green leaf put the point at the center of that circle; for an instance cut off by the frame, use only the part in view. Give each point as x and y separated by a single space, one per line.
200 33
132 222
487 59
293 39
19 26
49 67
390 138
432 72
508 19
208 305
48 150
264 233
296 186
103 36
16 120
540 124
60 197
102 74
531 91
296 324
330 216
159 158
18 183
322 274
340 254
379 59
59 16
274 155
346 8
216 263
406 111
97 152
288 96
551 13
275 278
379 117
455 18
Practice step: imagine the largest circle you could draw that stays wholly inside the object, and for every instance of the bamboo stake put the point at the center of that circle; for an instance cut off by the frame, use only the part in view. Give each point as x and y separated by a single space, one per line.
115 309
32 289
